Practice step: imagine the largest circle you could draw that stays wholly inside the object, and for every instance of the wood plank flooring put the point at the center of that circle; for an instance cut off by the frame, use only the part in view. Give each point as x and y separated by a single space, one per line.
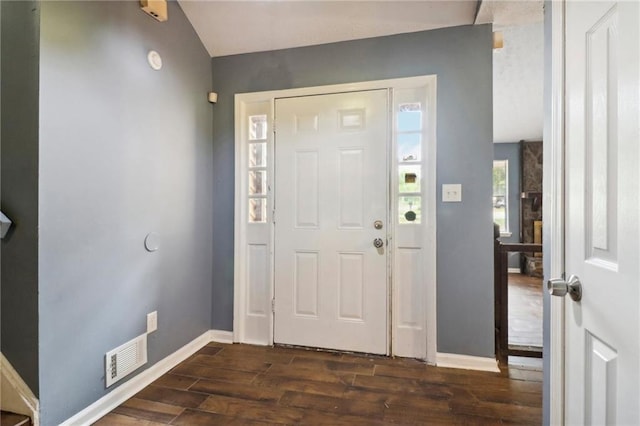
243 384
525 310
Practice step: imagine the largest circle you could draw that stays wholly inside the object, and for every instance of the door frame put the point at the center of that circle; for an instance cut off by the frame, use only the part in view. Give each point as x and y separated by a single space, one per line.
257 327
553 209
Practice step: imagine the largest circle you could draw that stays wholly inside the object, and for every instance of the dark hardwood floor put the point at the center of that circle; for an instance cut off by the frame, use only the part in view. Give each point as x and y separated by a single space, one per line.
525 310
243 384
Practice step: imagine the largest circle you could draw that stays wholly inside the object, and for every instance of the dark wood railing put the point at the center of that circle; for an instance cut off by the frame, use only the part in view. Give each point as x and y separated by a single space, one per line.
501 306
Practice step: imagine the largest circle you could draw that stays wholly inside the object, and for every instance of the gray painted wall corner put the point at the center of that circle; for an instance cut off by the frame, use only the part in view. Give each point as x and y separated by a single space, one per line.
124 151
20 28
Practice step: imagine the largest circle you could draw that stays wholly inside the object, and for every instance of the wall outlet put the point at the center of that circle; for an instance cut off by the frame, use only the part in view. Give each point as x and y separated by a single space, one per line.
152 322
452 193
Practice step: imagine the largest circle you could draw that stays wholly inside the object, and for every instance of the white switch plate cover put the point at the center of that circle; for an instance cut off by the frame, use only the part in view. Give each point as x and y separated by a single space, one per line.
152 322
451 193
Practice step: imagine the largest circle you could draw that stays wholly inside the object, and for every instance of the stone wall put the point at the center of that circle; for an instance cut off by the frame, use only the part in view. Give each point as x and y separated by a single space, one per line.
531 205
532 187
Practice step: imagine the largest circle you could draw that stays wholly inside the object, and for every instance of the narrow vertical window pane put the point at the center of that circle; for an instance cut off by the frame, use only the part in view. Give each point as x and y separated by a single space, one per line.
258 154
409 147
410 209
409 179
257 182
409 118
500 194
257 210
257 127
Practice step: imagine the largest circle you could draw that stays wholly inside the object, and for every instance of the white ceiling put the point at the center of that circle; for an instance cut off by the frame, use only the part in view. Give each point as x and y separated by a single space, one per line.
233 27
518 84
238 26
509 13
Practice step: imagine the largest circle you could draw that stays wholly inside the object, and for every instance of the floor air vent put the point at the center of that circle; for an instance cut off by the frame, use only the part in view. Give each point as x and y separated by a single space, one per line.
125 359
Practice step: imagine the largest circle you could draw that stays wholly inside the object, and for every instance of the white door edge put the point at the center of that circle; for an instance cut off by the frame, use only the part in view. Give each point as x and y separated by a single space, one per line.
553 212
267 98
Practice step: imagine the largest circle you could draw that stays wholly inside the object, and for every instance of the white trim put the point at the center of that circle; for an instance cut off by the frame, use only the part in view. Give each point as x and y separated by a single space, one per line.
467 362
21 400
505 234
221 336
257 328
240 215
514 271
110 401
239 231
553 205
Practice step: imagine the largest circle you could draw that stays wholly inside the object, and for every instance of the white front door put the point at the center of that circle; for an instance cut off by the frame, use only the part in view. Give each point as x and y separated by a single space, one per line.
602 362
331 185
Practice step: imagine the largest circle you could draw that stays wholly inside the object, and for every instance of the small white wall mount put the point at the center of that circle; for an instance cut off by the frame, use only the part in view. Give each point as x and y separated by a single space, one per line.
152 242
155 60
212 97
5 224
451 193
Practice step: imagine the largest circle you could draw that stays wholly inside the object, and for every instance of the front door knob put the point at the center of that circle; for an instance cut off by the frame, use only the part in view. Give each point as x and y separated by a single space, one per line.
560 287
378 243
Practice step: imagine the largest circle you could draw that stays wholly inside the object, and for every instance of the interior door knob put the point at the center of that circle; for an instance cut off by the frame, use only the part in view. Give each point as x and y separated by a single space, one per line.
560 287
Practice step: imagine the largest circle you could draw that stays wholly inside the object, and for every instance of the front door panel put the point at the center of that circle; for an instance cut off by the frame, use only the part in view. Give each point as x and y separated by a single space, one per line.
331 185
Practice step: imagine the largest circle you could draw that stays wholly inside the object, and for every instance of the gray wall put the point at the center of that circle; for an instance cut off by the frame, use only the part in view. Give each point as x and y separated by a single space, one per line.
19 168
462 59
511 152
124 151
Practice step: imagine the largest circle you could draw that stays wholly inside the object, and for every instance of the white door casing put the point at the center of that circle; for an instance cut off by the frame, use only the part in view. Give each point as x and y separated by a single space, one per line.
553 205
412 246
602 350
331 186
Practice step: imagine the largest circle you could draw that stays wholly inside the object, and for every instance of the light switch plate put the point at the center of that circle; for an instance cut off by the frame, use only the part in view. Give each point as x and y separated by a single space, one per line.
152 322
451 193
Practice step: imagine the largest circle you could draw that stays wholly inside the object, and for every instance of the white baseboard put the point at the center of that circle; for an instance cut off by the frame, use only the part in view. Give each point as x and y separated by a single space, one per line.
16 396
254 342
467 362
107 403
514 270
221 336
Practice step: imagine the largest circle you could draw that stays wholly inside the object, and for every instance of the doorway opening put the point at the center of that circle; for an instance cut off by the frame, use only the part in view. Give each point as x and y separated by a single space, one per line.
517 194
268 202
519 270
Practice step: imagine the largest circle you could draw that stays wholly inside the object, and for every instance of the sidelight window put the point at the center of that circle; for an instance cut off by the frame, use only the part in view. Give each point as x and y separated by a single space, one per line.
500 194
409 130
257 170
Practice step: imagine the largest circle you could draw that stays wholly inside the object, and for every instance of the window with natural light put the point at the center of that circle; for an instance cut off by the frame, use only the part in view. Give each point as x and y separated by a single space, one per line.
258 168
409 139
500 192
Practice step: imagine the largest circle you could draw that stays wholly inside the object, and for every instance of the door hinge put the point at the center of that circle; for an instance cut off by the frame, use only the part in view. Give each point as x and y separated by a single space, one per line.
273 305
273 215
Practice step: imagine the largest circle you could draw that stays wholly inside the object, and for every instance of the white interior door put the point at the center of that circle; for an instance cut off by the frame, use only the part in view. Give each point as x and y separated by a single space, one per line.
602 221
331 186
